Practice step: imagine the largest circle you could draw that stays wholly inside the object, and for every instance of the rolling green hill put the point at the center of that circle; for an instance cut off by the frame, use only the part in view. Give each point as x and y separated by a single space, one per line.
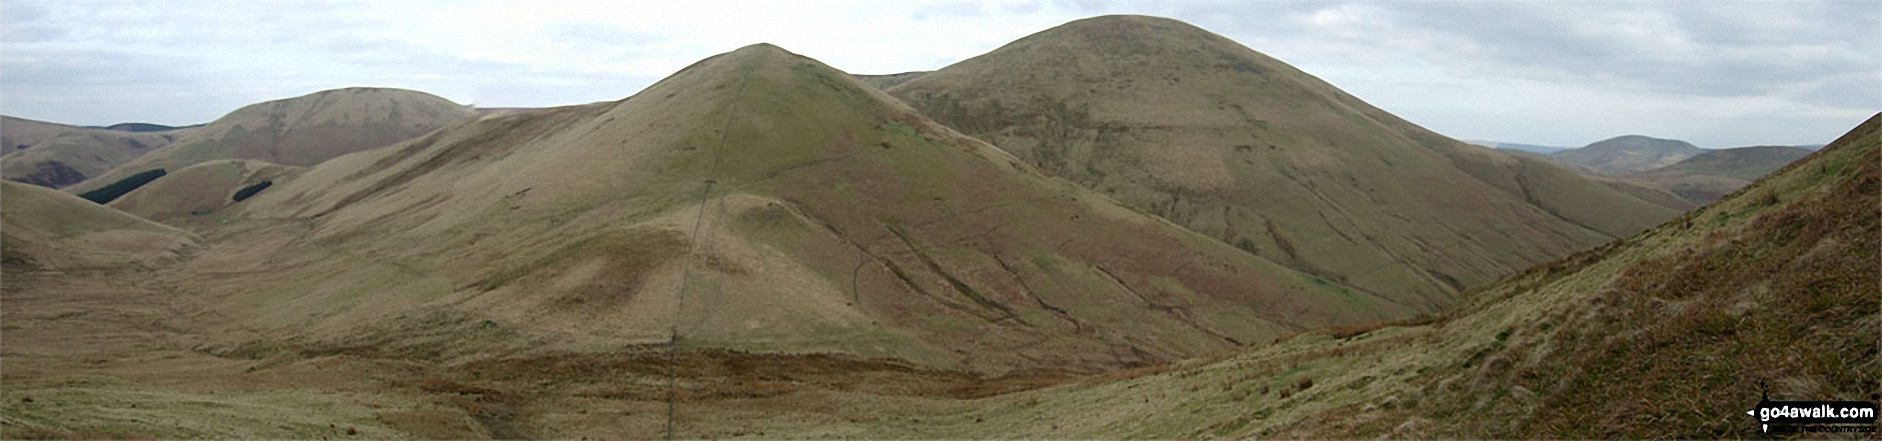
1627 154
1175 121
300 131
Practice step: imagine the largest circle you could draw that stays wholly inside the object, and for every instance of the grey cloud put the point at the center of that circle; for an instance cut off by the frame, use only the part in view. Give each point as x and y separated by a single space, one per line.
27 23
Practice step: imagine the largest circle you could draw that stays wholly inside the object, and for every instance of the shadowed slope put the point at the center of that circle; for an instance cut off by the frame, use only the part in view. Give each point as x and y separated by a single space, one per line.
56 155
1181 123
301 131
756 200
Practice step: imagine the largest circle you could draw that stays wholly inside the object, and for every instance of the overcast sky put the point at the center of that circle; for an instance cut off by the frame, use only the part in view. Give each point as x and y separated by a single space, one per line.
1718 74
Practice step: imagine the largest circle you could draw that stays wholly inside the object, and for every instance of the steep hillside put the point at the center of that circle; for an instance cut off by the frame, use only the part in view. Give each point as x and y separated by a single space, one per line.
41 228
56 155
759 201
1627 154
1175 121
301 131
1665 335
1711 175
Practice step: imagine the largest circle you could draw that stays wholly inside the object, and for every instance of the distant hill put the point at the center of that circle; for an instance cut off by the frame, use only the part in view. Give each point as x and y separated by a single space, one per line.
1708 176
301 131
1748 163
143 127
1545 149
1627 154
1642 190
57 155
890 80
1175 121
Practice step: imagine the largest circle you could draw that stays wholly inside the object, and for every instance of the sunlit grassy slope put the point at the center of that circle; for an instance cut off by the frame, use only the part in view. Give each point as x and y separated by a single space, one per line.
757 200
1190 126
301 131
